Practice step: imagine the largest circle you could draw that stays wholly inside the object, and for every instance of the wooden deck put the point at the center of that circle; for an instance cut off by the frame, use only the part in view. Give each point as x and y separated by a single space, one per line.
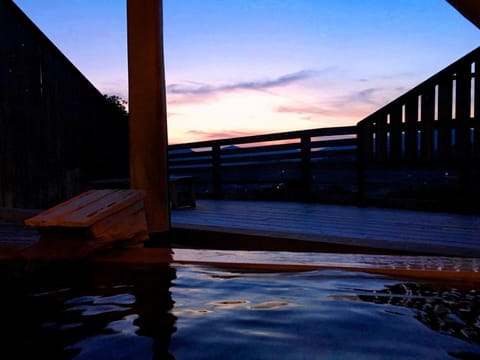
413 245
303 227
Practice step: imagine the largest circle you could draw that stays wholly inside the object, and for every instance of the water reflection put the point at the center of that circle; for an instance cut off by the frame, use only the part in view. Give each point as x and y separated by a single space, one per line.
102 311
86 311
449 311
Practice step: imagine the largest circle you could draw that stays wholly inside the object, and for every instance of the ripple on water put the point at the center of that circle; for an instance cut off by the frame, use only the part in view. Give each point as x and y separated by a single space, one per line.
121 342
206 313
332 314
95 305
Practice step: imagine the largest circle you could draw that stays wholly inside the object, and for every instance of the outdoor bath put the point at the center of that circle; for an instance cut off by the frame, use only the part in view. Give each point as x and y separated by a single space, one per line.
357 275
209 304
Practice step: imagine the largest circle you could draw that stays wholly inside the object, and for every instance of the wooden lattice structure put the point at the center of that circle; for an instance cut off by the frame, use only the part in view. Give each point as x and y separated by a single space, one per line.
426 143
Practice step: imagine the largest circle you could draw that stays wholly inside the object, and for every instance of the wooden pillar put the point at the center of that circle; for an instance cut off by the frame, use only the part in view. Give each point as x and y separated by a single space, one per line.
147 109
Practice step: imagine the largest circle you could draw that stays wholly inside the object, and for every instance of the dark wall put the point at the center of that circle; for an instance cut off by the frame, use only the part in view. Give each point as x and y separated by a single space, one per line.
57 131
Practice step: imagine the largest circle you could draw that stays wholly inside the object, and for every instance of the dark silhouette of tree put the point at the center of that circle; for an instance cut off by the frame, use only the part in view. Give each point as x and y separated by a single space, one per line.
117 104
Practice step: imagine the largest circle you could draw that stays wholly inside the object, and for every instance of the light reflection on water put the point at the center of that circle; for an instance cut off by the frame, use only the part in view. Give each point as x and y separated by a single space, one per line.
305 315
195 312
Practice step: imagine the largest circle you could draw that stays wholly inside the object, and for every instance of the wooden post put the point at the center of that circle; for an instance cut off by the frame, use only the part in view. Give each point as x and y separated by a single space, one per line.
411 129
427 124
445 99
363 142
306 169
217 172
147 108
396 155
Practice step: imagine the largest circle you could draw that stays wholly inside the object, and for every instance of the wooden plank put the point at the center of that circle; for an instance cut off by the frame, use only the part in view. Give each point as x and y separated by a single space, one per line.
86 209
395 152
426 125
101 208
128 224
67 207
399 230
125 228
462 113
411 126
380 130
445 105
87 223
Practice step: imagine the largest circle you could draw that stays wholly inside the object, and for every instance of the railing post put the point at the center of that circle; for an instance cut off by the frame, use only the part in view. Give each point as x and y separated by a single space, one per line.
463 122
361 157
306 169
216 172
411 129
427 113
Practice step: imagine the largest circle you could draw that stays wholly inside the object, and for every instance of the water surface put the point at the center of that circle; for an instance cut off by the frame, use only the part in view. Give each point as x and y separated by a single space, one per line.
85 311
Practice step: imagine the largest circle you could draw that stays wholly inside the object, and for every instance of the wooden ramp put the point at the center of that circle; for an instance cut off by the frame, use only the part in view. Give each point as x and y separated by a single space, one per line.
90 221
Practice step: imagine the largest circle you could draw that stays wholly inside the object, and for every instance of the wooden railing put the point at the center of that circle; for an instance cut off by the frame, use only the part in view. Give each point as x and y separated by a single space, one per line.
420 151
289 165
436 126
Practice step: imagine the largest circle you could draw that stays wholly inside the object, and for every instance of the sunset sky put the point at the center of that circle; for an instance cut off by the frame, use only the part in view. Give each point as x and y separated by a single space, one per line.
242 67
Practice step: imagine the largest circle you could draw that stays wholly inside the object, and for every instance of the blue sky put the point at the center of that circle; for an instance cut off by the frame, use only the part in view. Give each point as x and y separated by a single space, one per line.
241 67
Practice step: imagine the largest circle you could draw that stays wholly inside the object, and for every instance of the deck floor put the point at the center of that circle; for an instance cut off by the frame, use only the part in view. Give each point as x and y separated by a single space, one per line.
330 226
388 229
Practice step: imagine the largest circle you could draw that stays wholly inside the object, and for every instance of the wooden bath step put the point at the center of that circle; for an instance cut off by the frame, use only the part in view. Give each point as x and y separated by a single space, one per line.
92 220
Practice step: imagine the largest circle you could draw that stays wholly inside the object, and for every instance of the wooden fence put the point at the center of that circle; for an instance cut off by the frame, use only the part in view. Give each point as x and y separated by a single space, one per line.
57 133
56 130
306 165
421 151
425 145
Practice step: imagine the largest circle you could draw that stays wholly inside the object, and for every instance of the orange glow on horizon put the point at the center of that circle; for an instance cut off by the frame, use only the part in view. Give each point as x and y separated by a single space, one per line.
239 113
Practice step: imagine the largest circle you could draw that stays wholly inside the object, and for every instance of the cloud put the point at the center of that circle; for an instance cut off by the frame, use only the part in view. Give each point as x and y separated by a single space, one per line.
193 88
304 109
365 96
357 103
345 98
213 135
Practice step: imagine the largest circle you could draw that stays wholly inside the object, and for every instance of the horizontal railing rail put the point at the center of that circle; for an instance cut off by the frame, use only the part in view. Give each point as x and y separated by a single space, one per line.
288 161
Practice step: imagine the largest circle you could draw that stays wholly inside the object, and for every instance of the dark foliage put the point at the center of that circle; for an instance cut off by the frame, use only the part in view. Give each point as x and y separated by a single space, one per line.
117 105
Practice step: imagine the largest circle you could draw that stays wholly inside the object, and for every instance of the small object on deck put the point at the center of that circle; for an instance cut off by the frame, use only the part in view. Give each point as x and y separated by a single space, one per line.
90 221
182 192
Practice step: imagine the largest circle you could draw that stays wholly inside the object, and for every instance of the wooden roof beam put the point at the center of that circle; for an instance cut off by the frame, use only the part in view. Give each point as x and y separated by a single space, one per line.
470 9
